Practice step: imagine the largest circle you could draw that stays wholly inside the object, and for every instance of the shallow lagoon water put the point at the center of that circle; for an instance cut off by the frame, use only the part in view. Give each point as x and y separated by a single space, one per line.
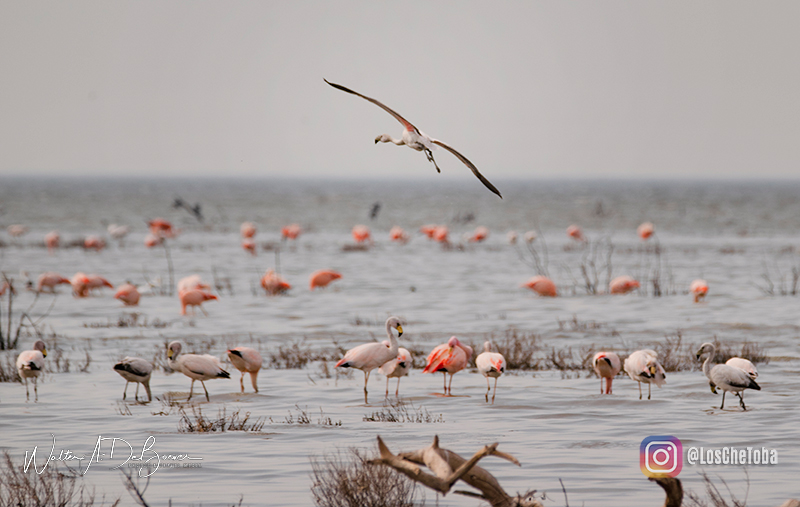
557 425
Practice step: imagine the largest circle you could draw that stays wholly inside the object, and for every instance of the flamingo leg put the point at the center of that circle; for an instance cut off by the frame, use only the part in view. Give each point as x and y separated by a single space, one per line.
387 386
35 390
601 385
366 379
203 310
253 376
206 390
125 392
741 400
649 387
135 396
429 154
723 401
241 381
191 390
445 382
488 388
397 391
27 393
495 389
640 390
450 387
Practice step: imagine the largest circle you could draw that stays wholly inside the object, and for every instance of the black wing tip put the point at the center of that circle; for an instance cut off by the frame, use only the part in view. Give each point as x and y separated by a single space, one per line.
224 374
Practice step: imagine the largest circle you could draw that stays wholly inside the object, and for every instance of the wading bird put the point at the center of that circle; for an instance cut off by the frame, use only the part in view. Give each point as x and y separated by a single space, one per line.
397 367
368 356
622 285
726 377
417 140
606 365
137 370
322 278
745 365
128 294
490 364
195 297
196 367
450 357
541 285
30 364
49 280
699 289
246 360
643 366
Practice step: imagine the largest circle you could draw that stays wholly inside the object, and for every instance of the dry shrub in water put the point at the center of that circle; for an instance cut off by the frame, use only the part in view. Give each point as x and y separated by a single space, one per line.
675 355
715 498
198 423
8 369
346 479
51 488
399 411
295 356
518 349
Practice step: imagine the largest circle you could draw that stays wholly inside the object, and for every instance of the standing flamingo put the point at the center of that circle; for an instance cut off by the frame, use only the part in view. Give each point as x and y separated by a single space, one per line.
97 282
645 230
606 365
52 240
428 229
417 140
398 234
30 364
128 294
274 283
80 285
195 297
248 229
137 370
480 234
291 231
246 360
542 286
490 364
397 367
248 245
575 232
361 233
94 242
643 366
322 278
49 280
698 288
622 285
726 377
192 282
450 357
196 367
368 356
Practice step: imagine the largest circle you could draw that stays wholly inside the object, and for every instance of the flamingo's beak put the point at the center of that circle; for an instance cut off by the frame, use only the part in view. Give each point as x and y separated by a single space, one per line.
652 370
169 353
44 352
399 330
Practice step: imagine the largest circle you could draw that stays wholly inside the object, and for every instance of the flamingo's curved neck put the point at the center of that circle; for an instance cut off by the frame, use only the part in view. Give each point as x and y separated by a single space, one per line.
386 138
707 363
392 340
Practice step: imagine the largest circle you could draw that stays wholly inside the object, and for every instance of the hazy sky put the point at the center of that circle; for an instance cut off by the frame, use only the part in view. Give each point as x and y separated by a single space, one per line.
524 89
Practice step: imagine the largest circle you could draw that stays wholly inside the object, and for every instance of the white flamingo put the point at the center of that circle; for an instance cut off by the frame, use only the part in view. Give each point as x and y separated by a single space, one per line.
30 364
137 370
745 365
397 367
490 364
196 367
643 366
417 140
726 377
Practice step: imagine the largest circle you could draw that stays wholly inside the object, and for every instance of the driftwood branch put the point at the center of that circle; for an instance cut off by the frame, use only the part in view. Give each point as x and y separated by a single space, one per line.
448 467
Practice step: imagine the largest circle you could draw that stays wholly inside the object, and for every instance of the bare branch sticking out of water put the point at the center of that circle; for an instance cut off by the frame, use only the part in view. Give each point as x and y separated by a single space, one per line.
715 497
402 412
346 479
196 422
8 368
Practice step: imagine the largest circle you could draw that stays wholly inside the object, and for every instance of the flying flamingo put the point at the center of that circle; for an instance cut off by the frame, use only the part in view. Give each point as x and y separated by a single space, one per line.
726 377
480 234
368 356
490 364
622 285
575 232
397 367
645 230
699 288
322 278
30 364
398 234
128 294
450 357
606 365
274 283
417 140
246 360
196 367
49 280
291 231
361 233
541 285
137 370
643 366
248 229
52 240
195 297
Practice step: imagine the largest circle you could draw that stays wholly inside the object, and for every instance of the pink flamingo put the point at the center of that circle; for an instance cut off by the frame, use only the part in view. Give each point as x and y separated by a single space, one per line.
361 233
246 360
248 245
94 242
151 240
192 282
428 230
322 278
622 285
541 285
128 294
195 297
699 289
50 280
161 228
480 234
52 240
80 285
368 356
118 232
248 229
97 282
511 237
417 140
291 231
397 367
274 283
398 234
441 234
645 230
575 232
606 365
450 357
17 230
490 364
643 366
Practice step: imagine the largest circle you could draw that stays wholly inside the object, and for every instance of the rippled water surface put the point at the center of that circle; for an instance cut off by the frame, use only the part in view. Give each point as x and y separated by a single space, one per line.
740 237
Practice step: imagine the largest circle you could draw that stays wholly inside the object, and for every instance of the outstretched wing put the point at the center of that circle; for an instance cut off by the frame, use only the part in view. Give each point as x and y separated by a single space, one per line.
468 164
389 110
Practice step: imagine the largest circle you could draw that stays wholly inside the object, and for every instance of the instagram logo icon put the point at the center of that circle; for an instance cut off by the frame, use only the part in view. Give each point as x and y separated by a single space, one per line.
661 456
